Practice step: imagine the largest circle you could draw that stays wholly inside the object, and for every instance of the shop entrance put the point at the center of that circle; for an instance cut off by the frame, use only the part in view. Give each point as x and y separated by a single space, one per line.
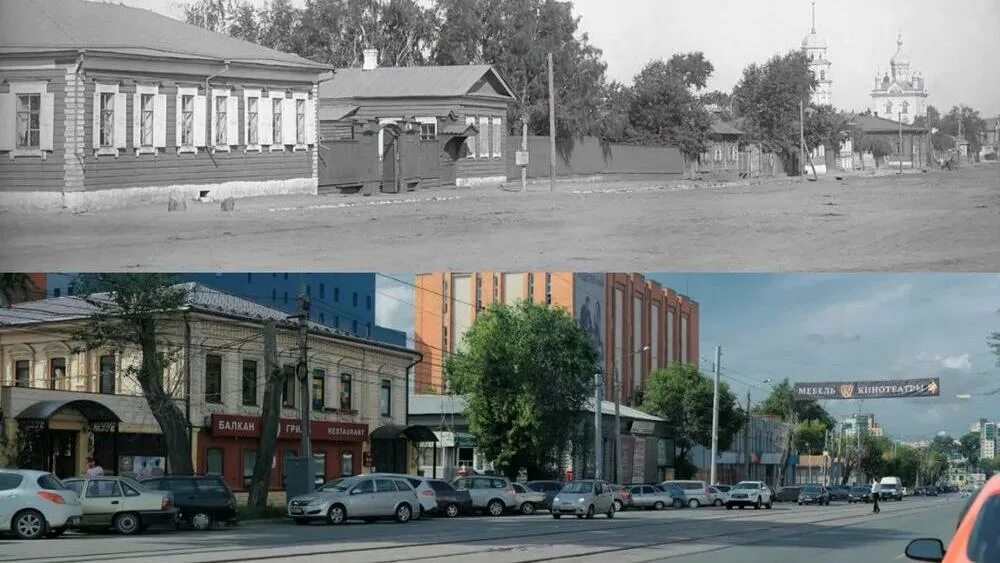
41 447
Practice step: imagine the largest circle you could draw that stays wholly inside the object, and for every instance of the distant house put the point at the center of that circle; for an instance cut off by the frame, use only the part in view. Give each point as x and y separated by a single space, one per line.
911 143
724 150
458 112
103 104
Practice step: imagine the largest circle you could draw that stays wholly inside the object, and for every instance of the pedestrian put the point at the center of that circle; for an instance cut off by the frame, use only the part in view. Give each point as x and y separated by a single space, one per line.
94 469
876 492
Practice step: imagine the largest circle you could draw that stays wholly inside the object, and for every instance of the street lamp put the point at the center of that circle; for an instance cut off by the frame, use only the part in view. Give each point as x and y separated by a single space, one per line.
618 414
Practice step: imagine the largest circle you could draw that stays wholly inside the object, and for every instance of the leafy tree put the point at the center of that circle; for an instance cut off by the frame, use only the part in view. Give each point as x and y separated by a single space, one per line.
941 141
527 372
131 311
969 447
769 95
15 286
781 402
879 147
810 436
615 125
682 396
967 123
943 444
824 126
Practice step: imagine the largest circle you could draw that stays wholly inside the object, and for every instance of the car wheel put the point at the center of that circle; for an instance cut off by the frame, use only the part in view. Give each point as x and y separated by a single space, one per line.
590 512
611 511
693 503
336 515
403 513
201 521
527 509
29 525
756 505
301 521
742 507
495 508
556 516
579 516
678 503
717 502
769 505
451 511
658 505
618 506
127 523
800 504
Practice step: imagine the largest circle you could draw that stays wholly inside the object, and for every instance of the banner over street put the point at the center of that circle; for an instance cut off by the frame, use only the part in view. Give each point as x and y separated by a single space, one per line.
888 389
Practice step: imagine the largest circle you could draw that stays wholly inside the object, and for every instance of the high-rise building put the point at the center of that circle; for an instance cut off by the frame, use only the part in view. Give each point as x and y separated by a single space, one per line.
637 325
988 440
863 422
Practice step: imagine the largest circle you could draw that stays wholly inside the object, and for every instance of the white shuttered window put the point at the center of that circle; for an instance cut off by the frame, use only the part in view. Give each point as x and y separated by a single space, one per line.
109 107
470 142
26 119
497 137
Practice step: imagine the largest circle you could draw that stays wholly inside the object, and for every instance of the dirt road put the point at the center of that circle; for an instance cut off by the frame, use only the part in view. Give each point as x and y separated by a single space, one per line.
913 222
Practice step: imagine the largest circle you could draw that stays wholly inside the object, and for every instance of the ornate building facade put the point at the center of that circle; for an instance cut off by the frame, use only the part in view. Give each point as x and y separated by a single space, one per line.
899 93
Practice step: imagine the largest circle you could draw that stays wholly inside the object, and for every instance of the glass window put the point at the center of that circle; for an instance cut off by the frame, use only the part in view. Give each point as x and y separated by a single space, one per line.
29 108
322 291
367 486
319 389
428 131
276 121
319 466
212 486
300 122
50 483
284 466
214 461
288 393
130 491
249 459
252 120
22 373
187 120
345 391
403 486
479 292
57 372
385 398
146 120
107 382
10 481
465 456
75 486
249 382
336 295
221 119
347 464
107 121
368 302
531 287
103 488
355 299
385 486
213 379
518 488
441 486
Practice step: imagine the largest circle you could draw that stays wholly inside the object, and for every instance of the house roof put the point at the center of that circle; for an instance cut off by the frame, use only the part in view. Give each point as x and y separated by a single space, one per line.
446 404
74 25
336 112
412 81
201 299
872 123
720 127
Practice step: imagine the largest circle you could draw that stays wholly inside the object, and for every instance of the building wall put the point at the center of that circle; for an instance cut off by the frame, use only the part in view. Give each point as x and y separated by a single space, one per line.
33 172
917 105
589 155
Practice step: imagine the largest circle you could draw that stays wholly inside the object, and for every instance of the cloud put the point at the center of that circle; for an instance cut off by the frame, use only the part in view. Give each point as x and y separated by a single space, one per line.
957 362
839 337
394 305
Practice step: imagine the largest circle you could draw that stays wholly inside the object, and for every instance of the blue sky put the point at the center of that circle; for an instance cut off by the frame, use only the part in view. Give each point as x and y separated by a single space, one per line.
816 327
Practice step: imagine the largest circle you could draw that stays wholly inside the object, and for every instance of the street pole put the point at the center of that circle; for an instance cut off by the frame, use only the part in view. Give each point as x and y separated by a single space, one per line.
552 129
809 453
618 424
746 436
598 430
524 149
901 142
802 139
303 373
715 414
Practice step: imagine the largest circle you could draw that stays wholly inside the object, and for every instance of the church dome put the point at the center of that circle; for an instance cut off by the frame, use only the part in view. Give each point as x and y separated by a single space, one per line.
813 41
900 58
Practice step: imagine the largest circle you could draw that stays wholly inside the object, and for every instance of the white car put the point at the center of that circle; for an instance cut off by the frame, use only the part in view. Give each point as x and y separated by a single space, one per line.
720 494
34 504
425 493
121 503
696 492
750 493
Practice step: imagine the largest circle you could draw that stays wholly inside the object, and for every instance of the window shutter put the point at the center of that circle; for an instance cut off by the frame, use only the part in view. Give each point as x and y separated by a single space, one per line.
212 103
264 121
310 122
46 121
96 137
177 120
121 105
233 120
470 142
484 137
8 120
199 120
160 121
288 121
136 112
497 137
246 120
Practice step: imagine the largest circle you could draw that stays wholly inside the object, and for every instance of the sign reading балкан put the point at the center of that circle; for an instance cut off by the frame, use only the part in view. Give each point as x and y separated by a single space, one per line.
889 389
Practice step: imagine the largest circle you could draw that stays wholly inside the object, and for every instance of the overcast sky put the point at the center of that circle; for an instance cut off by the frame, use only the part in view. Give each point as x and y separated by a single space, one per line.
955 44
818 327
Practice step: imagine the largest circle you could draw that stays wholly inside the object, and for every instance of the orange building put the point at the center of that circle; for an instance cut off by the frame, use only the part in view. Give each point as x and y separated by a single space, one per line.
638 325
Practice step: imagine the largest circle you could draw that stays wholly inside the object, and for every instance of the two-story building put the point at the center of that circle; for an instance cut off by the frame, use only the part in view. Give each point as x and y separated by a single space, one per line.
103 105
61 402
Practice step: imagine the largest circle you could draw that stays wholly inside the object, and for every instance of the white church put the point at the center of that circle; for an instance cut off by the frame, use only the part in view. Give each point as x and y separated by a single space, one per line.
899 93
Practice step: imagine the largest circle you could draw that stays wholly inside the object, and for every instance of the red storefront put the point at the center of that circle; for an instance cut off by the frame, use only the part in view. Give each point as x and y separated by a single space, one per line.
229 447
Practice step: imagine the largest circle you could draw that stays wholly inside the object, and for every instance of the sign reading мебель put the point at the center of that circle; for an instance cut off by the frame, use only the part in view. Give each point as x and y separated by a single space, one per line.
889 389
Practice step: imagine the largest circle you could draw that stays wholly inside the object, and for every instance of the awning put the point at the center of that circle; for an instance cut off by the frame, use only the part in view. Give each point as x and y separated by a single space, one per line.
91 410
336 112
415 433
460 130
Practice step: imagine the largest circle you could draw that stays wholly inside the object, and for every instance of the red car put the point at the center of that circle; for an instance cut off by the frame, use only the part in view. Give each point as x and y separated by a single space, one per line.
977 539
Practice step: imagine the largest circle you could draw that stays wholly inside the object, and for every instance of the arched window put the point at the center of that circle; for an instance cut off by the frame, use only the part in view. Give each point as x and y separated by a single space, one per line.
822 75
906 108
888 108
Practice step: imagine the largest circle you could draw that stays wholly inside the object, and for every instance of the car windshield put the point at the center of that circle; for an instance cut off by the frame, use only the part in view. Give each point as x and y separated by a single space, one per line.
337 485
811 489
747 485
859 490
984 543
579 487
135 484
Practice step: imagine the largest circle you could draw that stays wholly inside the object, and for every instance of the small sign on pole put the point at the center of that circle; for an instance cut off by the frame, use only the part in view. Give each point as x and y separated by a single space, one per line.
521 158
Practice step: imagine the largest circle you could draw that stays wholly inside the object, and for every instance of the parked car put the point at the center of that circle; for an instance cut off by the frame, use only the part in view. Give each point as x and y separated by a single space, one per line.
584 499
35 504
750 493
623 497
723 488
719 495
786 494
907 492
121 503
450 501
977 537
814 494
550 488
676 493
492 495
200 500
859 493
891 492
697 492
528 500
363 497
425 494
839 492
653 497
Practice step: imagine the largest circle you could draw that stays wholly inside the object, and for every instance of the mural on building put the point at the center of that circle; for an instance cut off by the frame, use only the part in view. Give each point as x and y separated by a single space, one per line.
588 302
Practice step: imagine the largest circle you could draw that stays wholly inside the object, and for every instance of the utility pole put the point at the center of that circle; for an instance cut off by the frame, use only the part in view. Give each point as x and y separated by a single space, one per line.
552 129
715 414
802 138
598 429
746 436
524 149
618 424
901 142
303 373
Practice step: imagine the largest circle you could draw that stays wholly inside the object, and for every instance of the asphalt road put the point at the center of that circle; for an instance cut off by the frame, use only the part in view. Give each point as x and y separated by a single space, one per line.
935 221
840 532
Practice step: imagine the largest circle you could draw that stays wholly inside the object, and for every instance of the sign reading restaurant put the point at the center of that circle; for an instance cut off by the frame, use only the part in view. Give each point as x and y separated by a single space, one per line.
240 426
889 389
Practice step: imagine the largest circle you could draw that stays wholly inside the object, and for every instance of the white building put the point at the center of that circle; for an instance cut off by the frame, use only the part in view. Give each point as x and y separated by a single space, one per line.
814 47
988 440
899 93
865 422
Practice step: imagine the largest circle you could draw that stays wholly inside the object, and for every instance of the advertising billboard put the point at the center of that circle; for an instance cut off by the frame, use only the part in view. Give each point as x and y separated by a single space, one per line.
589 309
888 389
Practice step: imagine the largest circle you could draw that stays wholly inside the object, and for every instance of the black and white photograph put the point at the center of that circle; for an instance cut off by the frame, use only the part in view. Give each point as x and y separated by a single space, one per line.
511 281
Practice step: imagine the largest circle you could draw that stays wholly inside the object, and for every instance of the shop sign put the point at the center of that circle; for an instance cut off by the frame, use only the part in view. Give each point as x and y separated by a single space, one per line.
239 426
643 426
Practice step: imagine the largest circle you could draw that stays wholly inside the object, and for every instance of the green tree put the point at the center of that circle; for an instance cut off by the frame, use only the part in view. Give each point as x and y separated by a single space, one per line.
768 96
15 286
969 447
824 126
810 436
664 109
130 312
683 397
781 402
526 372
879 147
967 123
